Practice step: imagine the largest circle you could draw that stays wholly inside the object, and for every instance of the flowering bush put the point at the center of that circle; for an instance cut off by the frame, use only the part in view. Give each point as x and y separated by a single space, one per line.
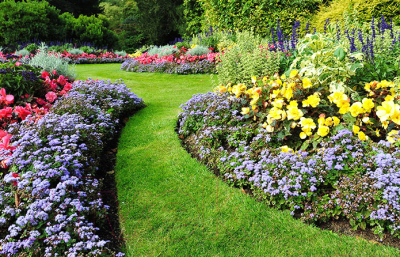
321 154
49 196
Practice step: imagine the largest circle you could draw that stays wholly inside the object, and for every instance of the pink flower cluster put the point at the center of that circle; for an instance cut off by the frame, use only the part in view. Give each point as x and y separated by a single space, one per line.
147 59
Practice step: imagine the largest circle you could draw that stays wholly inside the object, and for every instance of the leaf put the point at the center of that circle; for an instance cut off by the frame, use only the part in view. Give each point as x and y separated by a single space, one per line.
356 66
348 118
339 53
305 145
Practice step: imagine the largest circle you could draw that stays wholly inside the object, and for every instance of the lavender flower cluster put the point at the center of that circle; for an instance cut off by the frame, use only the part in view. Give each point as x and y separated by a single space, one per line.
50 201
203 66
343 177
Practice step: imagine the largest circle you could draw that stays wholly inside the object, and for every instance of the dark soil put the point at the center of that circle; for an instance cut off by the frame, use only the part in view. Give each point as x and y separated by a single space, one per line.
110 229
341 226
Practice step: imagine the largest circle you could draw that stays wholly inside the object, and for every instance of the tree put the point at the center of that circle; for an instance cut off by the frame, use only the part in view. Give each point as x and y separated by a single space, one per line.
160 21
78 7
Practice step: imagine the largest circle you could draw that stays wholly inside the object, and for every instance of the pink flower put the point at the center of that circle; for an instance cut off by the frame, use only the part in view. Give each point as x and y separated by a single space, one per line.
18 64
61 80
45 74
6 112
67 87
53 85
21 112
8 99
51 96
54 72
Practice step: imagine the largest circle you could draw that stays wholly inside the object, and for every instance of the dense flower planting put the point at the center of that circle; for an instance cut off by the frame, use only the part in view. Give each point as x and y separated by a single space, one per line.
49 197
323 154
179 63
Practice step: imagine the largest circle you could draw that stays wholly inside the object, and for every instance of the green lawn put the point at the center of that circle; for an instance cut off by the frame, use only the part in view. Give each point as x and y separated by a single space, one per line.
171 205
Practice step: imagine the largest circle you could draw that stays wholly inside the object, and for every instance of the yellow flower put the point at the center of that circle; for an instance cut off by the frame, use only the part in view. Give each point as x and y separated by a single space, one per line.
356 129
293 124
283 76
294 113
286 149
389 98
303 135
344 109
245 110
368 104
275 113
329 121
293 73
253 80
238 89
288 94
305 132
356 109
366 120
221 89
278 103
193 46
323 131
307 123
275 93
292 104
270 129
385 124
265 125
362 136
385 110
377 133
307 83
336 120
312 100
321 121
367 87
396 114
264 79
392 135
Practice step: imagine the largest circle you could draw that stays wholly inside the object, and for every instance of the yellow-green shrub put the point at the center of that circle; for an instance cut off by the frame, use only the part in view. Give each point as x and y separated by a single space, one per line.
366 9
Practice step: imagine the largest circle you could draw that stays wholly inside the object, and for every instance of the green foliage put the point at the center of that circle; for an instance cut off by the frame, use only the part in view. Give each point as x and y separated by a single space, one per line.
87 49
257 14
23 52
247 58
20 80
23 21
213 37
326 61
162 50
365 10
194 16
89 29
32 48
75 51
51 61
198 50
120 53
160 21
77 7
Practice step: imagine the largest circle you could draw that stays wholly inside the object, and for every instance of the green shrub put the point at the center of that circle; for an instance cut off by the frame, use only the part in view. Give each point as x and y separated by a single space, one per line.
75 51
120 53
247 58
198 50
162 50
32 48
22 52
49 61
23 21
87 49
365 11
89 29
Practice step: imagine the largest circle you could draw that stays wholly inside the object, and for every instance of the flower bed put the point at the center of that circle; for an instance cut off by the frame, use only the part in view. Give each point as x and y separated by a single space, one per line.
49 196
323 155
179 63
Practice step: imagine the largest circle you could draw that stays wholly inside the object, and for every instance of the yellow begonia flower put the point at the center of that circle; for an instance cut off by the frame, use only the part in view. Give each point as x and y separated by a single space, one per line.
254 101
367 87
307 83
193 46
396 114
305 132
245 110
385 124
307 123
293 73
323 131
279 82
366 120
368 104
286 149
385 111
356 129
294 113
321 121
270 129
336 120
221 89
392 135
275 93
329 121
293 124
292 104
356 109
283 76
288 94
278 103
253 80
389 98
344 109
362 136
275 113
377 133
312 100
265 78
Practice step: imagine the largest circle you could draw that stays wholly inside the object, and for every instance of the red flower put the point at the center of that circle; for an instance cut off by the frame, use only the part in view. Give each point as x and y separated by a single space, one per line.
5 143
45 74
22 112
6 112
61 80
14 175
67 87
8 99
54 72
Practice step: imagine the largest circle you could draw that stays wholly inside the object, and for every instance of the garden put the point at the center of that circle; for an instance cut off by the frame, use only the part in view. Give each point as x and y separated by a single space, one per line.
273 135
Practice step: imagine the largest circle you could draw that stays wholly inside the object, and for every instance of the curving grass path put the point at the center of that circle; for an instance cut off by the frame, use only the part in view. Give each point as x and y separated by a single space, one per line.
171 205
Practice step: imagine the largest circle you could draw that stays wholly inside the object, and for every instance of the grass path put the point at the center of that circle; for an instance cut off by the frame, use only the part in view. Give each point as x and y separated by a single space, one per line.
170 205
